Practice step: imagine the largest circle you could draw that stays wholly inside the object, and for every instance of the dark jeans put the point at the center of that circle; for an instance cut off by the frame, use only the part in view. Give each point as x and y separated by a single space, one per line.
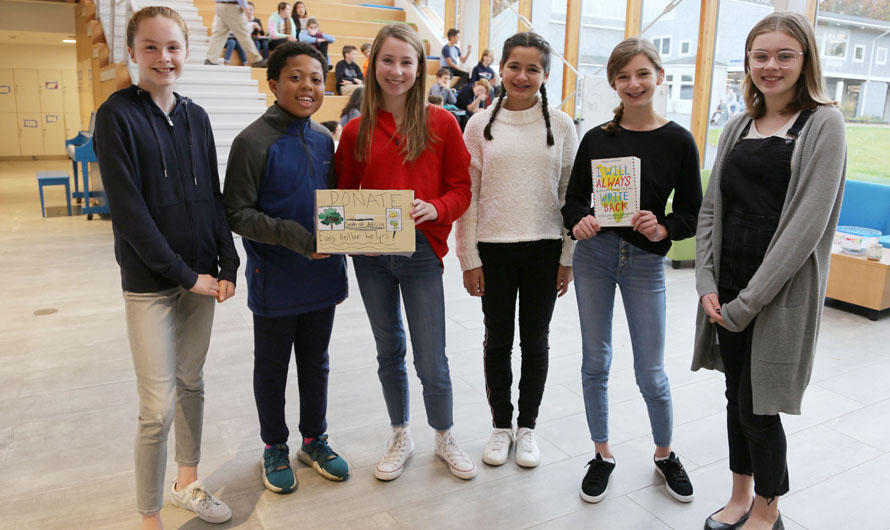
308 335
530 270
756 443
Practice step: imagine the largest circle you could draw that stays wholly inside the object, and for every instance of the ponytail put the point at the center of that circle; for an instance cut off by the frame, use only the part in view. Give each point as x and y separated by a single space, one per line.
612 126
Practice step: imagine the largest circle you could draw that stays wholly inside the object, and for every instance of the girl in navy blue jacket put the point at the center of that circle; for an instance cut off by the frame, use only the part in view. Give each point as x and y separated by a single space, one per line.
158 164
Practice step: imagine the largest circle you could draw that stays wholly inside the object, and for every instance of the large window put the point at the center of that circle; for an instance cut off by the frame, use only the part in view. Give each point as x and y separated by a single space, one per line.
602 27
860 86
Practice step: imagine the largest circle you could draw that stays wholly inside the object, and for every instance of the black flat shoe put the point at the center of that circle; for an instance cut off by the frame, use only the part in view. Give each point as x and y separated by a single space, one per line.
711 524
779 524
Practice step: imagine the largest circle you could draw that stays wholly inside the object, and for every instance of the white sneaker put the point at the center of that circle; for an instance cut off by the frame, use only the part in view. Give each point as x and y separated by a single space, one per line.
497 450
398 450
459 462
202 502
527 452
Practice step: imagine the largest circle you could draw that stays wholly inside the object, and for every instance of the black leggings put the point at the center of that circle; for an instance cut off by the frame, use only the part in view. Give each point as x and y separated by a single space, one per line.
528 270
756 443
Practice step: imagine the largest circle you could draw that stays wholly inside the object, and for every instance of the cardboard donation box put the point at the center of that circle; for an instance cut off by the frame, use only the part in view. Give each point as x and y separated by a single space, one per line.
364 222
616 190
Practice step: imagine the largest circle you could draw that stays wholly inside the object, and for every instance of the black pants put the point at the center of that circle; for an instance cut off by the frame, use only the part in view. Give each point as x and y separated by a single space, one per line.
529 270
462 77
757 443
308 335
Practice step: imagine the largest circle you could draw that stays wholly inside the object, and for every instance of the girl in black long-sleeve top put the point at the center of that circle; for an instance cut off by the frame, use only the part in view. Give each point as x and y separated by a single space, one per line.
631 257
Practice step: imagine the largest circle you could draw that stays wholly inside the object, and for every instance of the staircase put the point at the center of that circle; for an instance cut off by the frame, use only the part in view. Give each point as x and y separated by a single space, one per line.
234 96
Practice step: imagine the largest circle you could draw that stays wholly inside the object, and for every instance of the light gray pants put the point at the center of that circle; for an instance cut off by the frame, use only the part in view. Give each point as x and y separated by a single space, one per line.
169 334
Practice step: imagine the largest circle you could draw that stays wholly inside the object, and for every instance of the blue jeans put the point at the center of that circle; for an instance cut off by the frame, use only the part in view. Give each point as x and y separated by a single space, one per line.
602 263
232 44
419 279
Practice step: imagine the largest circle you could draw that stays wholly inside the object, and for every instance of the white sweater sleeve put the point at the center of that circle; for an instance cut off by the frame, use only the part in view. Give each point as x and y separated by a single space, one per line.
467 251
569 149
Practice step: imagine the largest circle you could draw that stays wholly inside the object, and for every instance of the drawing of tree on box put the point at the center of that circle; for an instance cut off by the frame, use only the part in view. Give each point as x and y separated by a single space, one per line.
331 218
616 190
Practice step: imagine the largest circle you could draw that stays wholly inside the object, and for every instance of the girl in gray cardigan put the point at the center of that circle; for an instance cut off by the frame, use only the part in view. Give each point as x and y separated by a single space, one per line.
763 244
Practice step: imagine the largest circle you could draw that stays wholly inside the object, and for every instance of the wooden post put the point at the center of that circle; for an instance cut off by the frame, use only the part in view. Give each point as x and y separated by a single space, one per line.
484 26
704 71
633 18
573 30
812 7
525 9
450 12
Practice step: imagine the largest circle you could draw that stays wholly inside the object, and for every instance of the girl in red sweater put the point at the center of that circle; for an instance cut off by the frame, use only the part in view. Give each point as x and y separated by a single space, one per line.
400 143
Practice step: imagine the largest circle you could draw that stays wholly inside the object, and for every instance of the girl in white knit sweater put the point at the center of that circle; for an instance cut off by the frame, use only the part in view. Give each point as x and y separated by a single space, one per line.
511 239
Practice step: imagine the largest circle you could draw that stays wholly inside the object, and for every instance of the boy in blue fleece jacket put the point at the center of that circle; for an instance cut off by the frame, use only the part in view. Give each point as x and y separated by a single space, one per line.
275 165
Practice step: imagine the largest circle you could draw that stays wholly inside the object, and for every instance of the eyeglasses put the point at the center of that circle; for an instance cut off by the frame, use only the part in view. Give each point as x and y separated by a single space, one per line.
784 58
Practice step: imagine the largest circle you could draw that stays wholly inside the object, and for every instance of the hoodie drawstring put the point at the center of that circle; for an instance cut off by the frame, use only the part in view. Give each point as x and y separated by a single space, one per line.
154 130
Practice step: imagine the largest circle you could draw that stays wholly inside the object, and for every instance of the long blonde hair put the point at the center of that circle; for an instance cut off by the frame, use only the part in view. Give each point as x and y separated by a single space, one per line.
621 55
413 129
808 93
151 12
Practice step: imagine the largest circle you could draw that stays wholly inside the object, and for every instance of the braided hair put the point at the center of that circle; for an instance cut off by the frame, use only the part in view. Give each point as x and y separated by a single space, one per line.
621 55
526 39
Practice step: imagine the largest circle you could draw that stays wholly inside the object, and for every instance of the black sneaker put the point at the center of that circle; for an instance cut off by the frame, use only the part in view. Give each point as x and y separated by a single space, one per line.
596 481
675 478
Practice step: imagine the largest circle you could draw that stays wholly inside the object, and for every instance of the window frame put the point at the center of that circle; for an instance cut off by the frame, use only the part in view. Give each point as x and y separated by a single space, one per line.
878 59
856 48
660 45
688 51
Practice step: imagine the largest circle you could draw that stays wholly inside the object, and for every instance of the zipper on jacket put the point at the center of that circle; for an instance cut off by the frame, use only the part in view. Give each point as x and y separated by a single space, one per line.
308 153
185 199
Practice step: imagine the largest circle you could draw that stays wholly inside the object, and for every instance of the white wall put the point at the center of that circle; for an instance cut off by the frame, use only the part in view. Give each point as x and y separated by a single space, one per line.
46 56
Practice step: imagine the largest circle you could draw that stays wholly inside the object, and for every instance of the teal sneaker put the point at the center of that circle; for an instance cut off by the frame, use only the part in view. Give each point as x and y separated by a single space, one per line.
320 456
277 473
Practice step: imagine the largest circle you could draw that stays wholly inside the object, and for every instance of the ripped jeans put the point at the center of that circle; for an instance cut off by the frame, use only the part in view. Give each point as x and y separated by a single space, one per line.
169 334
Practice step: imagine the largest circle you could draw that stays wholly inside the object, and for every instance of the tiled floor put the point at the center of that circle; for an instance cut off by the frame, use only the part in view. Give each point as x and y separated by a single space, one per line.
68 411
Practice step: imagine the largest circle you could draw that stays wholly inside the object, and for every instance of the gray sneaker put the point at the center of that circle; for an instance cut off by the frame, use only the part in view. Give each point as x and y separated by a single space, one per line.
202 502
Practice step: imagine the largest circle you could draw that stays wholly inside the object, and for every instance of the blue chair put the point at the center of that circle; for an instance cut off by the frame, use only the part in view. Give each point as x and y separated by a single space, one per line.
80 149
53 178
867 204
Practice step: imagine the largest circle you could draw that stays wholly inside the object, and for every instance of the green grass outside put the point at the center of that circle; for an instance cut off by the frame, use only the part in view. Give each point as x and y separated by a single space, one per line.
868 152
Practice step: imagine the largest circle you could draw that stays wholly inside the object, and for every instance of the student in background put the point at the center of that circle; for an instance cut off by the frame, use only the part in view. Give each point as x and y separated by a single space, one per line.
430 158
511 242
275 166
256 31
762 249
335 128
231 17
301 15
366 51
474 98
442 88
175 250
312 36
631 258
483 69
348 73
434 100
353 107
452 59
281 26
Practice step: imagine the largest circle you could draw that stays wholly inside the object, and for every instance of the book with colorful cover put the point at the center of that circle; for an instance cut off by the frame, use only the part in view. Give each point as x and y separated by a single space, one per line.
616 190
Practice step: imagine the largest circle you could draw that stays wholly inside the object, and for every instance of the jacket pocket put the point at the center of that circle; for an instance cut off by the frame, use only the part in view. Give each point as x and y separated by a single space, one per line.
780 335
